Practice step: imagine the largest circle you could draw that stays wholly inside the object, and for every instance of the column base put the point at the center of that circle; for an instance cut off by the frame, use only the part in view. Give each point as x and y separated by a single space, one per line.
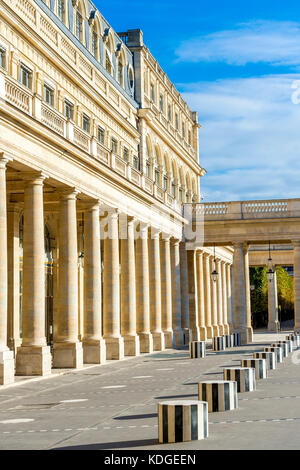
168 339
7 367
215 330
114 348
14 344
33 360
244 333
186 335
146 342
195 334
94 352
209 332
131 345
178 338
158 341
274 326
203 333
68 355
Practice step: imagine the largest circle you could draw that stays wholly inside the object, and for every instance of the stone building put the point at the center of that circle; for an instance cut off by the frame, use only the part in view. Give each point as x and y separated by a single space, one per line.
98 156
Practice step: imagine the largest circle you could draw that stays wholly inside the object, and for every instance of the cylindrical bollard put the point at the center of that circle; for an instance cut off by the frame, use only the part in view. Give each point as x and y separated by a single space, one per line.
260 366
269 356
229 341
278 352
221 395
182 421
295 340
243 376
219 343
197 349
283 346
236 339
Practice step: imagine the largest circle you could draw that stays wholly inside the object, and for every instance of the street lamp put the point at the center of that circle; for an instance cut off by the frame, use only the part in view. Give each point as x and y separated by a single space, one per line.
270 272
214 274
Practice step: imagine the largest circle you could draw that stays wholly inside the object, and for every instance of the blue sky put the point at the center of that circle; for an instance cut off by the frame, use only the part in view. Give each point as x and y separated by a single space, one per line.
237 64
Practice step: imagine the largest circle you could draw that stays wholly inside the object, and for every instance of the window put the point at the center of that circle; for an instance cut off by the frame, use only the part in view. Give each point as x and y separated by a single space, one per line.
183 130
78 25
2 58
156 176
131 78
114 145
125 154
120 73
85 123
152 92
176 122
148 169
49 95
108 65
170 112
161 103
61 10
101 135
68 109
165 182
25 76
136 163
94 43
180 194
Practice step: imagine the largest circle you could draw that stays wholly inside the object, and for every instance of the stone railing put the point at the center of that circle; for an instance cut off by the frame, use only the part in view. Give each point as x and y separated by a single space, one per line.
53 119
17 95
237 210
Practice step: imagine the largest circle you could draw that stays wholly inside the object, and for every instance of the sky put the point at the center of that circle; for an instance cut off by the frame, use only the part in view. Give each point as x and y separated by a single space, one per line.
238 65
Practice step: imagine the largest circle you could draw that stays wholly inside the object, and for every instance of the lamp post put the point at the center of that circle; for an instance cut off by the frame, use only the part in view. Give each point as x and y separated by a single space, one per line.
270 272
214 274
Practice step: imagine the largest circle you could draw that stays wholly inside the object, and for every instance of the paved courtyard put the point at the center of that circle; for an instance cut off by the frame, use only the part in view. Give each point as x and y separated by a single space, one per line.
115 406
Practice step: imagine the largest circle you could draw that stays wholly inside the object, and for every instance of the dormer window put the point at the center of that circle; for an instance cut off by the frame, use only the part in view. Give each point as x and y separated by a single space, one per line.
78 25
61 10
94 43
108 64
2 57
161 103
170 113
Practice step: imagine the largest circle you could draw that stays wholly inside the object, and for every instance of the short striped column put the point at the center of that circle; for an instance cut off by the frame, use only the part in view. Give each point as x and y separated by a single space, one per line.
283 346
243 376
219 343
197 349
182 421
269 356
260 366
236 339
278 352
229 341
221 395
295 340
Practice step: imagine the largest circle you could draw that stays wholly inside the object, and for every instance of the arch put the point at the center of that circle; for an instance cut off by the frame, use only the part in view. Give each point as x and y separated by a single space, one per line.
157 165
83 8
174 177
121 64
166 172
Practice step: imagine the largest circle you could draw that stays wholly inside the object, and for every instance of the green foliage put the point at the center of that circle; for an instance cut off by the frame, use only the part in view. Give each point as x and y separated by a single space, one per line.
259 296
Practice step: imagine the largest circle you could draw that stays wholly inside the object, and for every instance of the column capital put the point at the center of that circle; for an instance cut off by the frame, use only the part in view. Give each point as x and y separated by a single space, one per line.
199 253
4 159
92 205
34 177
165 236
155 233
143 230
175 241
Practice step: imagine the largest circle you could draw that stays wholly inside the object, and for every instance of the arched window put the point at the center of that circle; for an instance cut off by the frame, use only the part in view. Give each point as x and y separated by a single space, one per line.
94 42
165 174
131 78
121 72
108 63
78 24
173 180
180 191
156 167
61 10
148 161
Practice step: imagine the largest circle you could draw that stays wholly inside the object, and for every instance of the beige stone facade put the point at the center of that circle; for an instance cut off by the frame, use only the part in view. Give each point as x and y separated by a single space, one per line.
97 159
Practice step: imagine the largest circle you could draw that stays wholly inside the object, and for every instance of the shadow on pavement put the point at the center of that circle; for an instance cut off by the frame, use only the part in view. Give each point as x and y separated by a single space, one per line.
150 415
110 445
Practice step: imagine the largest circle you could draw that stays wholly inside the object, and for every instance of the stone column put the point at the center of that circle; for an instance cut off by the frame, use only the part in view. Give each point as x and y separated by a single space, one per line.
67 349
128 292
207 296
224 297
193 293
248 294
166 290
296 244
155 291
6 356
184 289
94 349
33 356
111 290
200 290
142 290
220 299
229 296
273 323
232 297
214 306
239 280
13 248
178 340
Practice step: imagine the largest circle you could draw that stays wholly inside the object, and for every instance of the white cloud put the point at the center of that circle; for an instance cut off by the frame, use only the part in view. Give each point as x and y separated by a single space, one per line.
250 137
272 42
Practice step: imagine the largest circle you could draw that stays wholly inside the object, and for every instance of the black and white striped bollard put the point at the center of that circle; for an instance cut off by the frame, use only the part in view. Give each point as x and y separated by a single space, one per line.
197 349
236 339
219 343
295 340
260 366
278 352
269 356
182 421
221 395
229 341
243 376
283 346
